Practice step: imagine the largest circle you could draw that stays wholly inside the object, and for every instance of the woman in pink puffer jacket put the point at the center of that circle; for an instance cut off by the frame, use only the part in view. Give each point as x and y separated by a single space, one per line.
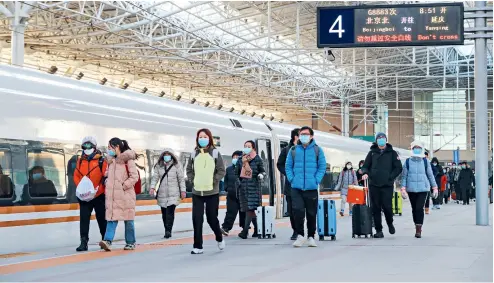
120 195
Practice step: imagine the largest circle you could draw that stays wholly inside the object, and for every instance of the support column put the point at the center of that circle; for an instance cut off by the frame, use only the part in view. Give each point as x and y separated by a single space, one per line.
18 18
345 119
481 127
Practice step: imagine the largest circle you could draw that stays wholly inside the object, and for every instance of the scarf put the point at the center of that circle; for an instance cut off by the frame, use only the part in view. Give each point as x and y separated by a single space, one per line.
246 172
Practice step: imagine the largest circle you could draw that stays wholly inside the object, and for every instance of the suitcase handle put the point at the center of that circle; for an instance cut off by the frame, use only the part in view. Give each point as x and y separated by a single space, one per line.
366 191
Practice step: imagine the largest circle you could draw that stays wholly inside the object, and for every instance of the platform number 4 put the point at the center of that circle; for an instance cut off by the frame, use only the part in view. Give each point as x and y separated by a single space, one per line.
340 29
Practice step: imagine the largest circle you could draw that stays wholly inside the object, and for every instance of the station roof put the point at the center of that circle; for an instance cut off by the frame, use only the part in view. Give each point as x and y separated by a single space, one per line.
224 53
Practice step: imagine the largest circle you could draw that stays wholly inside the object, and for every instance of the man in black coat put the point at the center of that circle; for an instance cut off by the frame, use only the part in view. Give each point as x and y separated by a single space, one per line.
465 181
232 202
382 165
437 170
287 187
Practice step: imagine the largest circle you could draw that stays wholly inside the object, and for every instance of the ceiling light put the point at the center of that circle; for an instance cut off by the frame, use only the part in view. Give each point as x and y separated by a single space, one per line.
193 101
206 104
271 119
162 93
262 116
253 114
124 86
329 54
80 76
52 70
220 106
281 121
103 81
178 97
144 90
242 112
232 109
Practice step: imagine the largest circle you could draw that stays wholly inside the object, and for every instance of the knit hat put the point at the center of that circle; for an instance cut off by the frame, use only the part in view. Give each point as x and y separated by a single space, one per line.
381 135
89 139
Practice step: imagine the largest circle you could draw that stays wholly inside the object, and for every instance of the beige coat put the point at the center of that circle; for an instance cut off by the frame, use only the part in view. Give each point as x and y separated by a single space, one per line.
120 194
174 182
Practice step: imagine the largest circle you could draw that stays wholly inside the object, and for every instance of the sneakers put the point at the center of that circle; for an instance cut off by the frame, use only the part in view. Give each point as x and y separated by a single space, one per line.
255 235
221 245
105 245
312 242
197 251
426 210
350 213
243 235
224 232
294 236
379 235
130 247
342 212
299 242
392 229
83 246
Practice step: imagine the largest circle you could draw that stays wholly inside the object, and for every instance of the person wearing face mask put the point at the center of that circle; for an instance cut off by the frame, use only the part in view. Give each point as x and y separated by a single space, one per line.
359 173
171 190
437 170
417 179
381 166
347 177
305 167
93 165
205 169
454 173
232 202
465 180
287 190
250 173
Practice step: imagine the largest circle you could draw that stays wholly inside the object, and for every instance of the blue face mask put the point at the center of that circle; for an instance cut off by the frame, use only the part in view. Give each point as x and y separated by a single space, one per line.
234 161
111 152
417 151
247 150
167 158
381 141
304 139
203 142
37 176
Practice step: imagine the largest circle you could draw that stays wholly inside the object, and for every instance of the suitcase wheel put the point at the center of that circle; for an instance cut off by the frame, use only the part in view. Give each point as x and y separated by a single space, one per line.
359 236
269 236
400 214
321 238
333 238
259 237
353 236
366 236
274 236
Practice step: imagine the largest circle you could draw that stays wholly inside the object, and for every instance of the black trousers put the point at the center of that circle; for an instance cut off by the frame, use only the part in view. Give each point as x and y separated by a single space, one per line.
465 195
168 216
304 203
417 201
85 210
289 207
428 200
381 198
232 208
211 204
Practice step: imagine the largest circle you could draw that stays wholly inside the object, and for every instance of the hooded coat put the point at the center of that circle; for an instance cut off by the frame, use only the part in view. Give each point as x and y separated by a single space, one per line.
438 171
120 193
168 192
382 166
249 189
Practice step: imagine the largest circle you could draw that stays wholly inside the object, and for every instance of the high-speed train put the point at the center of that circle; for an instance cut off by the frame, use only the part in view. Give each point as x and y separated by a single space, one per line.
44 117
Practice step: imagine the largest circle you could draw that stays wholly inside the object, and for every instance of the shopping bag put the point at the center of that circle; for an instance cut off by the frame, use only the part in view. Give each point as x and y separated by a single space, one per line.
356 194
85 191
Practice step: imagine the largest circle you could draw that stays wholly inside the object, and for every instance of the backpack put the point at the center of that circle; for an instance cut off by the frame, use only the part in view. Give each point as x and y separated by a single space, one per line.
407 162
316 150
204 180
138 185
100 163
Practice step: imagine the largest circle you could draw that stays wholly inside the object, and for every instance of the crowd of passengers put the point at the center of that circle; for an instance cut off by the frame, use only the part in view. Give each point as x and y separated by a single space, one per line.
302 163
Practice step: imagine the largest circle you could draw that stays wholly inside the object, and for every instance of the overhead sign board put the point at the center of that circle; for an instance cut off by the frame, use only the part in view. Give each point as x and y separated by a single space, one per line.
390 25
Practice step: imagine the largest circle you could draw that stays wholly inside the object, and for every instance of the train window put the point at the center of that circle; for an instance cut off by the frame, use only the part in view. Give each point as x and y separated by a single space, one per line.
217 141
46 175
6 185
185 158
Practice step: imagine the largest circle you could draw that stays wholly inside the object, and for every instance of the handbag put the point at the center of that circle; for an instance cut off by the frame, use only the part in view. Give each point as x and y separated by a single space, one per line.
161 181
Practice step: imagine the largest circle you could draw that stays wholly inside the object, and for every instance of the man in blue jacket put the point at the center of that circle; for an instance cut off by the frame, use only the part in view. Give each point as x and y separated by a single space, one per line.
305 167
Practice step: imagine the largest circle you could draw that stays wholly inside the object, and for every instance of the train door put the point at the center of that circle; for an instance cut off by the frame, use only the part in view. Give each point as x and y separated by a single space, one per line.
264 151
283 144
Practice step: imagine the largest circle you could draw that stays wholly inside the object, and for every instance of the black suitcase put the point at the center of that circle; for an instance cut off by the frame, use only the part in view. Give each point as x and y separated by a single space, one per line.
362 219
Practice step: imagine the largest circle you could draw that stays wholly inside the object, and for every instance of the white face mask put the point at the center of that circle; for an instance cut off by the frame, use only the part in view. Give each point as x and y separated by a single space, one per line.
89 151
349 167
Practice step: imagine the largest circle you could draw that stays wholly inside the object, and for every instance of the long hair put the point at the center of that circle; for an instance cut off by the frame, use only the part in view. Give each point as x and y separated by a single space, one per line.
346 169
123 145
210 136
161 162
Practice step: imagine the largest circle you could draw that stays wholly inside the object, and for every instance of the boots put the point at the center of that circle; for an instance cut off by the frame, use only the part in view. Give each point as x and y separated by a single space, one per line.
418 230
245 231
255 234
83 246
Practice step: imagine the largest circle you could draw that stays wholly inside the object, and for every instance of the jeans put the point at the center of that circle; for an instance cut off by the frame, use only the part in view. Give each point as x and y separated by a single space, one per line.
211 203
232 208
343 203
304 203
381 200
85 210
417 201
168 216
130 236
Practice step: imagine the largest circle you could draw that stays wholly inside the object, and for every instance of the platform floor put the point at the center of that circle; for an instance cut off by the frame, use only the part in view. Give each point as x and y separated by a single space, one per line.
452 249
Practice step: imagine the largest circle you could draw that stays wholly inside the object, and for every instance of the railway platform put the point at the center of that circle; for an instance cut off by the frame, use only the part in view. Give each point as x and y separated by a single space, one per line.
453 248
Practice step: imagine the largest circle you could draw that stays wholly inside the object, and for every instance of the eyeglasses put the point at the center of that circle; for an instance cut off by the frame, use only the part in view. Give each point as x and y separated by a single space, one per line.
87 145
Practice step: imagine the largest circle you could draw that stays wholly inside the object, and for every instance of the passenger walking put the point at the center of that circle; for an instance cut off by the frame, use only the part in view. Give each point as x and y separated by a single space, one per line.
454 173
359 173
250 174
170 175
92 165
206 169
382 165
417 179
347 177
287 190
121 175
305 168
465 180
438 174
232 202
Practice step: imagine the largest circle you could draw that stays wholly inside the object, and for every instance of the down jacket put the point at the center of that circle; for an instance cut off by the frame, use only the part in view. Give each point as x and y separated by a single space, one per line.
120 194
173 183
307 170
382 167
346 178
249 191
416 179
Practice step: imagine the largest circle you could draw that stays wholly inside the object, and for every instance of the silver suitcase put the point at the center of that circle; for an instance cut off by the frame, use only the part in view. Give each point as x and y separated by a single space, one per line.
265 222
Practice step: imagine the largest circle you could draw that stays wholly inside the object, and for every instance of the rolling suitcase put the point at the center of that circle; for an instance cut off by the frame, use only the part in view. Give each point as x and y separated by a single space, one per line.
362 219
397 203
265 222
326 219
